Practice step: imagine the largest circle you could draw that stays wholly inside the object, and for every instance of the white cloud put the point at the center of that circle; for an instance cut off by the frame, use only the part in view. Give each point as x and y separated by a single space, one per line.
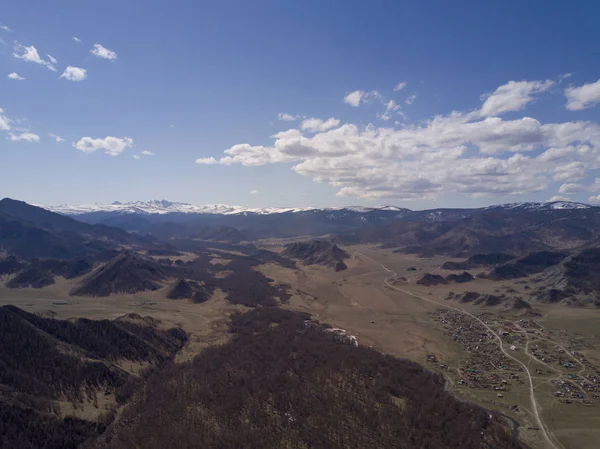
358 96
147 153
25 136
74 74
5 28
390 106
52 59
253 192
564 76
410 100
4 121
573 171
76 39
559 198
288 117
512 96
206 161
399 87
459 153
30 54
102 52
354 98
572 188
582 97
15 76
111 145
136 157
316 124
56 138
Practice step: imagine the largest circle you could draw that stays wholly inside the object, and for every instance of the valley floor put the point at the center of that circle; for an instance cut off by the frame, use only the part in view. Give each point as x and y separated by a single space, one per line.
404 323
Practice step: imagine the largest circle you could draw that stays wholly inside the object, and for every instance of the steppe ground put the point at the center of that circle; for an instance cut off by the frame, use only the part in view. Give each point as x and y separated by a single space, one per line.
391 321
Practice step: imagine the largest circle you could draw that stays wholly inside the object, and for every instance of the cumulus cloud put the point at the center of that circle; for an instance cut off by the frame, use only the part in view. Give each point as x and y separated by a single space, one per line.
76 39
147 153
15 76
512 96
316 124
359 96
206 161
74 74
5 28
354 98
30 54
56 138
111 145
582 97
559 198
103 52
24 136
573 171
52 59
572 188
466 153
288 117
594 199
253 192
136 157
399 87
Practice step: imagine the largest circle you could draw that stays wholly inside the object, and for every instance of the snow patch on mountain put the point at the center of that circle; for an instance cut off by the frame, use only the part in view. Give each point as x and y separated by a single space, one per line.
161 207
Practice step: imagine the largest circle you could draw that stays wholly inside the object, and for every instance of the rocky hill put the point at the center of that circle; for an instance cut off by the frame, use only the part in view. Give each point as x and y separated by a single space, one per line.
429 279
318 252
465 276
574 280
533 263
186 289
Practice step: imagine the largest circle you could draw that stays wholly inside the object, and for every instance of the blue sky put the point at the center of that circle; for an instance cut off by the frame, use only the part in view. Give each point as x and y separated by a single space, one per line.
190 80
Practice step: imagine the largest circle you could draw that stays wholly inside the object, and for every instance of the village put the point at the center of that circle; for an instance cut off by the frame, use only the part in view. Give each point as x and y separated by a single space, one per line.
574 377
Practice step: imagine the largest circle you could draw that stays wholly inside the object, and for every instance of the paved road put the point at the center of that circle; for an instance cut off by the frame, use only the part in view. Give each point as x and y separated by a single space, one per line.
551 442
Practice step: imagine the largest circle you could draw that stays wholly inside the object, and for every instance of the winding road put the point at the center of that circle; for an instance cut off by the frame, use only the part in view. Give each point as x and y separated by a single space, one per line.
551 442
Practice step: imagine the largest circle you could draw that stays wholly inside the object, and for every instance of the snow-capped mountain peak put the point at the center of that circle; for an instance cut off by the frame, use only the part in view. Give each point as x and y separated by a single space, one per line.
550 205
161 207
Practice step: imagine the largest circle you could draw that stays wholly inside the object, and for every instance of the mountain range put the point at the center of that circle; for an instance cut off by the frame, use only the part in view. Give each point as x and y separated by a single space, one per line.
162 207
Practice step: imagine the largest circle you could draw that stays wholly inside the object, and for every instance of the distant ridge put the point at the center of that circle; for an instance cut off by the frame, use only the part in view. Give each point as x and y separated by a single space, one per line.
162 207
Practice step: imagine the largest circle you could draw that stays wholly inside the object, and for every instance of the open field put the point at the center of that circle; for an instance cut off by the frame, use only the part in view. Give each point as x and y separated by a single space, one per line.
206 323
407 320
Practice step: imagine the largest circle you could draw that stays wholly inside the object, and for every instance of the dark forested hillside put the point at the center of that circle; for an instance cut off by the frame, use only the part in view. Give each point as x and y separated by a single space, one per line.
285 382
43 360
29 231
